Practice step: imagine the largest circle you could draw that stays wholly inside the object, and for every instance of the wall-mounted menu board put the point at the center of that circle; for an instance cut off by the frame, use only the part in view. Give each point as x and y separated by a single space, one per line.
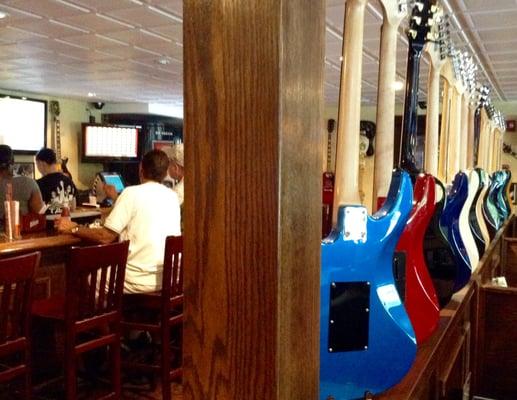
108 142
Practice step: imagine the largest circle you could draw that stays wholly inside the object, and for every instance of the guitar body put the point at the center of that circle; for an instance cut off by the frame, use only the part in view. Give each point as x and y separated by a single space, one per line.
480 216
420 298
502 202
367 343
450 221
490 207
464 225
506 191
438 253
476 220
64 168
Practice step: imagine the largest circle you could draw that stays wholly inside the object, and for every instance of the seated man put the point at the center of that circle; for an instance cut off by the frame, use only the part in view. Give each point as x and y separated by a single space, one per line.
56 188
24 189
175 170
145 214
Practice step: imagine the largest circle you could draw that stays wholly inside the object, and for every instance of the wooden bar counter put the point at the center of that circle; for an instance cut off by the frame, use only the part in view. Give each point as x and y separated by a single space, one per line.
40 241
50 276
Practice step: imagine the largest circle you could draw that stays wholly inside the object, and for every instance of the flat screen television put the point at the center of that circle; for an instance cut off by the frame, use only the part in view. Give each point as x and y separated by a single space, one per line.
23 123
109 142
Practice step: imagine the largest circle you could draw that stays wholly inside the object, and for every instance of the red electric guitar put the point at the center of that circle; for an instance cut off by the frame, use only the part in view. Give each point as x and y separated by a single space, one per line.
420 297
328 185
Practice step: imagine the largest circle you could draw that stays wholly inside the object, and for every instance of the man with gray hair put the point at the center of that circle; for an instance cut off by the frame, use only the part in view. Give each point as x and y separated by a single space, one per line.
176 170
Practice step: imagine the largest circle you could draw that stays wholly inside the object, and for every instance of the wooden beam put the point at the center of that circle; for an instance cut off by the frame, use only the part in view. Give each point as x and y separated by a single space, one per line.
253 84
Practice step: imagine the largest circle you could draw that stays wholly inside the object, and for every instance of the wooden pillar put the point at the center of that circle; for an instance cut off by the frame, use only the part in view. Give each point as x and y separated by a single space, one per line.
253 84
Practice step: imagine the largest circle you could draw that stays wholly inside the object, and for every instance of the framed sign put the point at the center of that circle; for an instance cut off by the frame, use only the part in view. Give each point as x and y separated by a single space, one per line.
23 169
159 144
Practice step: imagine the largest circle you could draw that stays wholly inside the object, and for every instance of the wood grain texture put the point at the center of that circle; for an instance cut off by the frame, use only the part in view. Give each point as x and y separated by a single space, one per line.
464 131
36 241
346 189
253 77
444 131
432 121
499 369
385 117
470 138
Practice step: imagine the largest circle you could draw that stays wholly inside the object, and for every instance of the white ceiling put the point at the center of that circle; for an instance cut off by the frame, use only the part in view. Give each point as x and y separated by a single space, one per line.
114 47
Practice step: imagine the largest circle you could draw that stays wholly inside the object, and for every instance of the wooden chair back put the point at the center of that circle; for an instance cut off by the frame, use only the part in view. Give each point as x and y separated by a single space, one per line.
16 282
172 281
95 284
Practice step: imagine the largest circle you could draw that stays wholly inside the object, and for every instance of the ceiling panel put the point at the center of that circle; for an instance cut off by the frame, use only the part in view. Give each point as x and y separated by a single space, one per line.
130 49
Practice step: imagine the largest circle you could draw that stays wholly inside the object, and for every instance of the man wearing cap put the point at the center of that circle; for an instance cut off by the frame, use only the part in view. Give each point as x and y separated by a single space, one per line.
176 171
24 189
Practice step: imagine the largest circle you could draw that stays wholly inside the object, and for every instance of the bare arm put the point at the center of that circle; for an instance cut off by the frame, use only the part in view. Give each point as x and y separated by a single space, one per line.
97 235
35 202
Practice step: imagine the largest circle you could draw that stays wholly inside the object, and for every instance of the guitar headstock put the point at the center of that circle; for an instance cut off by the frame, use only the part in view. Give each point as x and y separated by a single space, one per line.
420 23
394 10
470 76
438 39
54 108
480 99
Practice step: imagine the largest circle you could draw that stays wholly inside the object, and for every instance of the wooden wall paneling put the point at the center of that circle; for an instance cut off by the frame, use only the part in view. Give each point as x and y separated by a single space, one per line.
499 368
253 79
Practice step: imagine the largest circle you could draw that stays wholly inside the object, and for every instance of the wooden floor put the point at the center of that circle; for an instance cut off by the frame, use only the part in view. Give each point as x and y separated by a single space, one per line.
130 392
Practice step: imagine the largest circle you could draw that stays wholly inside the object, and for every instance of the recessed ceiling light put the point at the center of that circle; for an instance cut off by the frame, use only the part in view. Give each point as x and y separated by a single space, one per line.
398 85
91 94
3 14
164 61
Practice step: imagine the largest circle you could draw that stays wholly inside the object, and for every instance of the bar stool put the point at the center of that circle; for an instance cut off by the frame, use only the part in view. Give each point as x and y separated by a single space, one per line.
91 306
16 281
158 313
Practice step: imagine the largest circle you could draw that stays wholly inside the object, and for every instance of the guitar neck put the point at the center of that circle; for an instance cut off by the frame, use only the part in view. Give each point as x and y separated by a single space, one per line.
453 160
476 137
483 134
329 151
409 126
464 131
471 141
444 131
57 125
349 116
432 121
384 140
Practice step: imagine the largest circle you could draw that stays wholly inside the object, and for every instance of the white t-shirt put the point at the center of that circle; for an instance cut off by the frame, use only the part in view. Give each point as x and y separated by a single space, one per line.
145 215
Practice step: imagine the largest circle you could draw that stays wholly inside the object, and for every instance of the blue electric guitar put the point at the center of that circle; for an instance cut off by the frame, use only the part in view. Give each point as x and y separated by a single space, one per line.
458 193
367 343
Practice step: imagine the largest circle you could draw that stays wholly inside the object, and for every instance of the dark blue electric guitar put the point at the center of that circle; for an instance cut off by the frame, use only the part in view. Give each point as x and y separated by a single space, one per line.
458 192
367 343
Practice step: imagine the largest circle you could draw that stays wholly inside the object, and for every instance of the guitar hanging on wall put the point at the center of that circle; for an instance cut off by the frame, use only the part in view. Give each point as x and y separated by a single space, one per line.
438 254
328 185
367 343
418 292
62 162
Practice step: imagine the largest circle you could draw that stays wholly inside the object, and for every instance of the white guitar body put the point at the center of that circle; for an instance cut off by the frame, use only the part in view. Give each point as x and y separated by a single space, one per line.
479 211
465 231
